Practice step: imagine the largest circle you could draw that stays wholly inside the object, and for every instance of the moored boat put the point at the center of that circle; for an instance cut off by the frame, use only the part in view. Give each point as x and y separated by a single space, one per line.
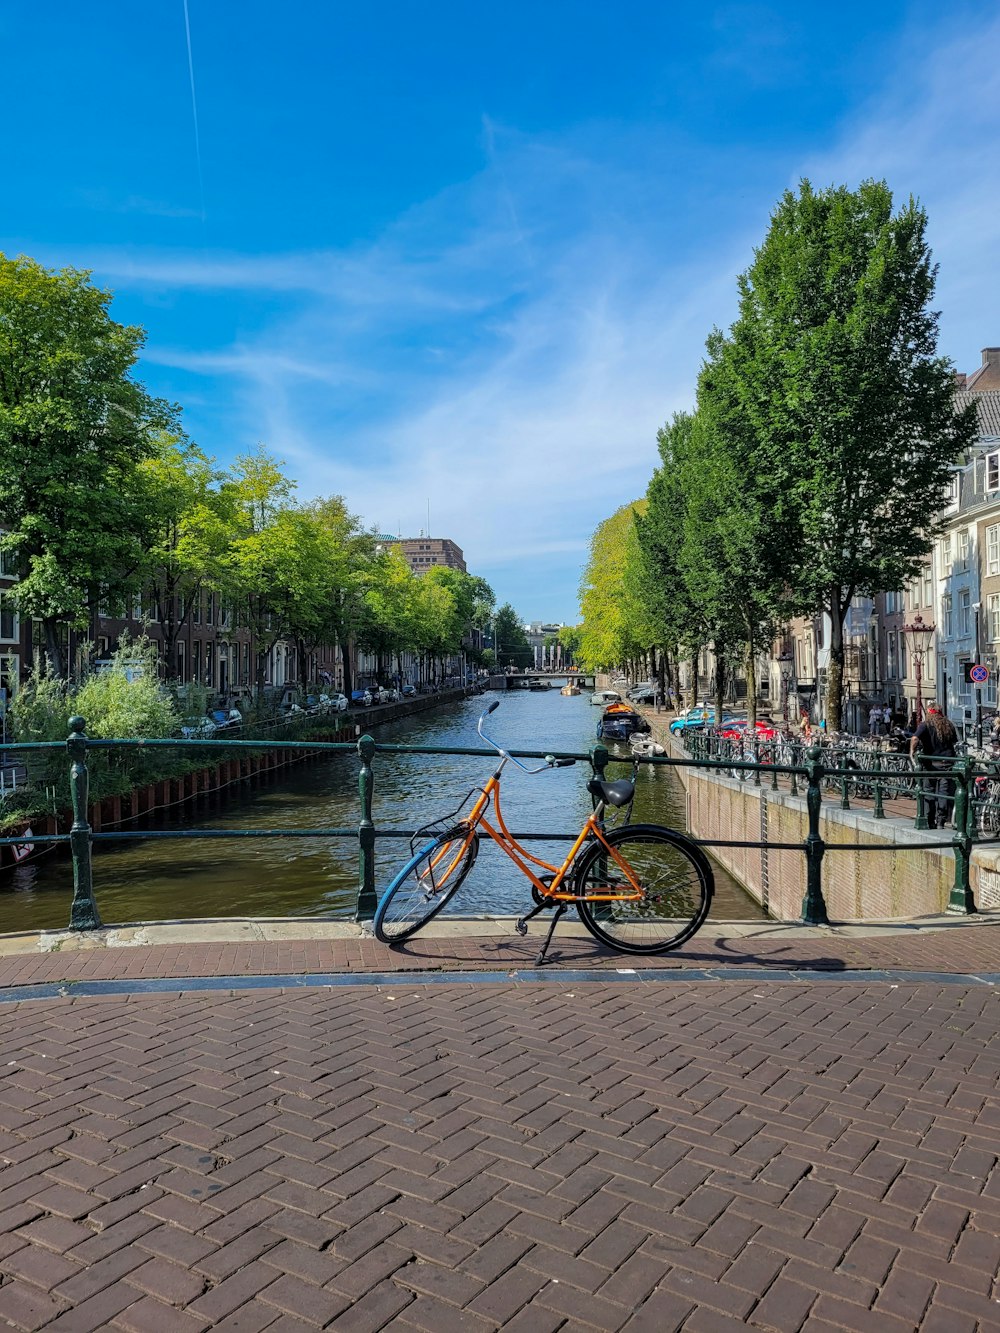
604 697
619 722
570 689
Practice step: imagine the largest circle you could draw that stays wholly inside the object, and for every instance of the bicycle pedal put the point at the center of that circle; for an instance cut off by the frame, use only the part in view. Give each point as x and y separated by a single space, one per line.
521 926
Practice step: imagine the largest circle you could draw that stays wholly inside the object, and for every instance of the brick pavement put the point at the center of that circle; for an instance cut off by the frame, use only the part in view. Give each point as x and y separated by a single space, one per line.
569 1156
962 945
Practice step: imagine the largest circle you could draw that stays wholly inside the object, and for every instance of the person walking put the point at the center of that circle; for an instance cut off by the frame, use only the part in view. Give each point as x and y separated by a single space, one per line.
874 720
934 742
887 719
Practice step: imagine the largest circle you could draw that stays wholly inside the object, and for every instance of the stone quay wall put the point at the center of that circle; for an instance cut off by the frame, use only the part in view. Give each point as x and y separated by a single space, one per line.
903 879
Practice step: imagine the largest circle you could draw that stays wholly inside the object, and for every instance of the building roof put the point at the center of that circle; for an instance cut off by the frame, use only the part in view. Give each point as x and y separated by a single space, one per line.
987 403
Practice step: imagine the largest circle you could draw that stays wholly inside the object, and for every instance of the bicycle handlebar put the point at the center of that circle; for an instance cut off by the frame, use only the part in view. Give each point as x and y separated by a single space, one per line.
550 760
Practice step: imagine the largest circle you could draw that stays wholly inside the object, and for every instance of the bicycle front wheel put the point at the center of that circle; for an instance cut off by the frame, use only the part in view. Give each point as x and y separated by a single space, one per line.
424 885
672 876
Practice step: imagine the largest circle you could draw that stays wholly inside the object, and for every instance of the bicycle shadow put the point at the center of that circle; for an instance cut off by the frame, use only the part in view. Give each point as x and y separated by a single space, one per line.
513 951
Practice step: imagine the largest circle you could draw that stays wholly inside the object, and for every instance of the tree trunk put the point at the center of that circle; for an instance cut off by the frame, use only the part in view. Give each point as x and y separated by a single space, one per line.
303 666
345 658
260 665
720 682
694 680
751 690
835 674
53 647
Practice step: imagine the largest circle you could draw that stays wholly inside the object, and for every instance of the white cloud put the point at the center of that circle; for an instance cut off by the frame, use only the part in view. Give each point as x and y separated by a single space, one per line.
508 349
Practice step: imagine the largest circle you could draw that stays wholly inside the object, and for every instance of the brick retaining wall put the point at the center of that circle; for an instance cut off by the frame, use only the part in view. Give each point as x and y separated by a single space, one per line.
908 879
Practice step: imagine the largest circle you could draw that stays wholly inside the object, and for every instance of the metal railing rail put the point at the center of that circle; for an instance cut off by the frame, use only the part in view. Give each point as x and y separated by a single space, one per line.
795 763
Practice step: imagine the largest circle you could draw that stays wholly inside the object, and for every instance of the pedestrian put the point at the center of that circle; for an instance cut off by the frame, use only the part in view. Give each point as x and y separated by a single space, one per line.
874 720
934 740
887 718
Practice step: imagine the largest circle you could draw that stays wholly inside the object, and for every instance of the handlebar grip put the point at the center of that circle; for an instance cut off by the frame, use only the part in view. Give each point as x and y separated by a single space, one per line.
493 706
560 763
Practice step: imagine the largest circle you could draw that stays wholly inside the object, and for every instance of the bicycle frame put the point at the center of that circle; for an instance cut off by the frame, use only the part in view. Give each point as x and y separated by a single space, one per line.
521 857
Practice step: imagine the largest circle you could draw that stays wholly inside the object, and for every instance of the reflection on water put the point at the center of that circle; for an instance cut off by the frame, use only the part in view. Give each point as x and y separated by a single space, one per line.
157 879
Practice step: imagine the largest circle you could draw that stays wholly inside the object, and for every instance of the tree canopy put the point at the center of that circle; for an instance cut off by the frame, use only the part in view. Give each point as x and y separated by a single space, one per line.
74 429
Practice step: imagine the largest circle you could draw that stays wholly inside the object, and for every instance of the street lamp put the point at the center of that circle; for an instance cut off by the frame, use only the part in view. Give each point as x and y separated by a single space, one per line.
920 641
873 620
786 662
977 607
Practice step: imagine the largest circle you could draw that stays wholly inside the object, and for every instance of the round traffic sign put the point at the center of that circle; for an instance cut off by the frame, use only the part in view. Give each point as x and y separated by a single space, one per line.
979 673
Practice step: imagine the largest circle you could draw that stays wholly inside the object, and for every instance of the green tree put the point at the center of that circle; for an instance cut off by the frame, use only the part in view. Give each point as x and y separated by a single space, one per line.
616 629
677 623
512 647
73 429
842 411
569 639
269 554
188 533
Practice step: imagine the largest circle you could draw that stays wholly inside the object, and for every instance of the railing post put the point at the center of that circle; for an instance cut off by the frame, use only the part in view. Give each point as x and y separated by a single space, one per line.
813 904
83 913
599 760
877 811
961 900
920 822
367 898
755 754
796 752
845 799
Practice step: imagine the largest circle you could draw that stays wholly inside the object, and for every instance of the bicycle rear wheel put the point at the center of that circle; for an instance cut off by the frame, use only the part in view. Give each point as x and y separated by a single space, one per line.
424 885
675 879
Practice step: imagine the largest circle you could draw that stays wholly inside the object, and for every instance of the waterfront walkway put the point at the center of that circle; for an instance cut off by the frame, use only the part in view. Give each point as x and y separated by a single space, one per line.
311 1130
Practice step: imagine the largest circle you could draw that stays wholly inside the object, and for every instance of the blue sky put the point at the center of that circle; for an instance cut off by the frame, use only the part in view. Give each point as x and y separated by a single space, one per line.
467 255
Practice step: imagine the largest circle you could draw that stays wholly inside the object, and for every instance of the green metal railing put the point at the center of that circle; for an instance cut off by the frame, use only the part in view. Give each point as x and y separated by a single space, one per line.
799 763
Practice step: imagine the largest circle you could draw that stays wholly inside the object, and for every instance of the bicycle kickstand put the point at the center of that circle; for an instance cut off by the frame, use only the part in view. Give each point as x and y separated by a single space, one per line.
560 909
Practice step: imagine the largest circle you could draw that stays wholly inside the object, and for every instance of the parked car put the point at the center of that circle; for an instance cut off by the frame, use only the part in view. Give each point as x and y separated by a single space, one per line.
385 694
409 691
337 702
198 728
695 718
361 699
642 694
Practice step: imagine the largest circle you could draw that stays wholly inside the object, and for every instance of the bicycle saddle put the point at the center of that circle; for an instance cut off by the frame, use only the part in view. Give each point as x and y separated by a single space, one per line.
612 793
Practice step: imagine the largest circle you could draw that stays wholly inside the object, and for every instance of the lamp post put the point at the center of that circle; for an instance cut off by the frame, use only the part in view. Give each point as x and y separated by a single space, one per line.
786 662
873 621
977 607
920 641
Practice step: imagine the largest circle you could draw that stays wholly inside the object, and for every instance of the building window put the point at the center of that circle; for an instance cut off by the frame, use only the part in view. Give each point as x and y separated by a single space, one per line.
993 549
928 586
210 609
196 610
196 661
964 612
8 562
10 630
181 661
993 471
947 553
946 617
963 549
993 617
137 606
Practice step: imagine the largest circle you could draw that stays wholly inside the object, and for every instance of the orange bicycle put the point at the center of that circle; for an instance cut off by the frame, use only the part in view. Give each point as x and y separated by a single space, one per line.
639 888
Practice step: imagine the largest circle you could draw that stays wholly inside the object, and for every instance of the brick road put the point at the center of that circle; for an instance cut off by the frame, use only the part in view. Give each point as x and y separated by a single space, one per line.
597 1155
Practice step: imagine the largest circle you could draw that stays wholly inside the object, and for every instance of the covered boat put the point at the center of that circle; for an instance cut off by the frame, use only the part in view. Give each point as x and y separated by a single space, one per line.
605 697
570 689
619 722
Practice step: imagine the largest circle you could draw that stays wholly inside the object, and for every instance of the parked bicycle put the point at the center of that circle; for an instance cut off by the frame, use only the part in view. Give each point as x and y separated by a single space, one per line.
638 888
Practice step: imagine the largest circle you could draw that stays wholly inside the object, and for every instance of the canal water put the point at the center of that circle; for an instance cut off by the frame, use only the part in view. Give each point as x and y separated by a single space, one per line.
158 879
